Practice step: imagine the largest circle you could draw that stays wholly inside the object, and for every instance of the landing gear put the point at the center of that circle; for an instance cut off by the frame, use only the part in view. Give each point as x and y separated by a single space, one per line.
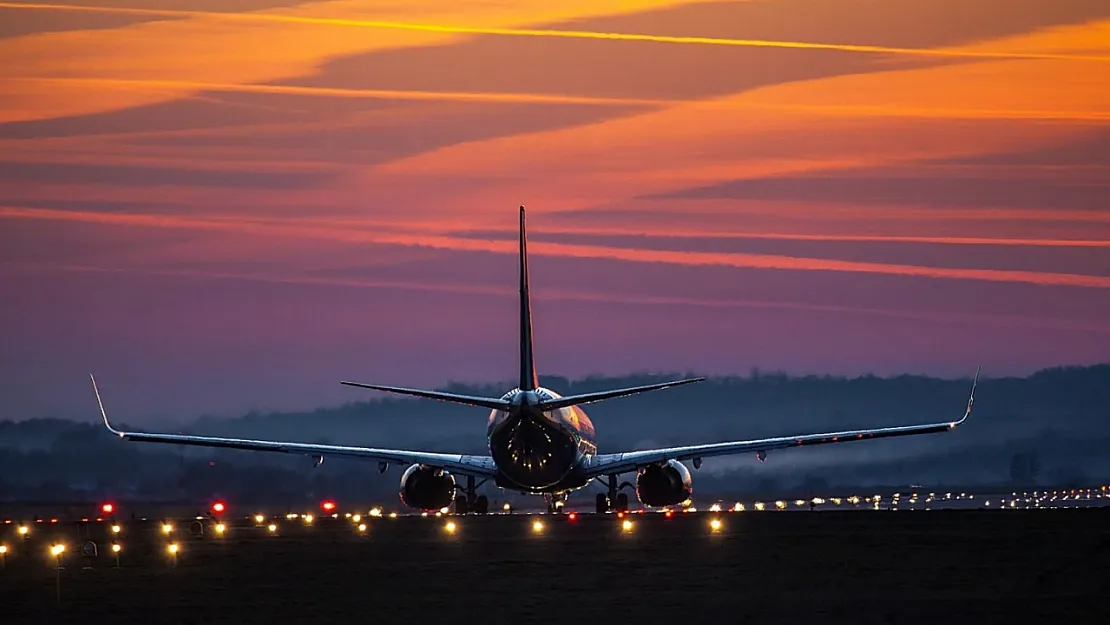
556 502
470 500
613 500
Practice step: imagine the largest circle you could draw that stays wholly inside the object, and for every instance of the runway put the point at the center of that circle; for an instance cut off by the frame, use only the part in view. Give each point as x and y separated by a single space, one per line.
829 566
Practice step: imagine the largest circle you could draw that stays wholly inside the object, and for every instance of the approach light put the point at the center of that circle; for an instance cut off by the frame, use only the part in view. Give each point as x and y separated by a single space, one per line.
715 525
328 505
116 548
116 529
167 528
393 515
23 530
627 525
308 518
3 549
537 526
219 507
258 518
362 527
173 548
450 527
107 508
357 518
444 510
272 528
57 550
375 512
220 528
508 507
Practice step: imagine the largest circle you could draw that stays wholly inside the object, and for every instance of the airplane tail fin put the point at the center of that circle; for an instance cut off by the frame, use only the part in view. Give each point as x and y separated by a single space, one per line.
588 398
528 378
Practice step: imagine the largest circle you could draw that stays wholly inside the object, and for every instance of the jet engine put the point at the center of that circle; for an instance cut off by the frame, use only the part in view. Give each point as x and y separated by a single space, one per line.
664 484
427 488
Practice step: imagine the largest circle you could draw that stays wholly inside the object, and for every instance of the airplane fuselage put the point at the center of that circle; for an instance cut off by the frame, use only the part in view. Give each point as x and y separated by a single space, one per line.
540 451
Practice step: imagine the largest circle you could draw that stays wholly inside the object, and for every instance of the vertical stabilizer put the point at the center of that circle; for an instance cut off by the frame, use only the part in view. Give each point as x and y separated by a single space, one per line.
528 379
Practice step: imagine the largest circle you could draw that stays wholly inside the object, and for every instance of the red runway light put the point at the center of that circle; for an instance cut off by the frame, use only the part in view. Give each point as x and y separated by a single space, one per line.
107 508
328 505
218 507
572 516
668 514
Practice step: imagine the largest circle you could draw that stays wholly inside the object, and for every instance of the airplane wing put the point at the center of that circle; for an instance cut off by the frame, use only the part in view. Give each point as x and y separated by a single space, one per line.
608 464
478 466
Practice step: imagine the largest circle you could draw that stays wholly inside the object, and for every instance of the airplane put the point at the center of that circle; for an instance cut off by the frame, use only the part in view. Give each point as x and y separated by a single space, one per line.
539 443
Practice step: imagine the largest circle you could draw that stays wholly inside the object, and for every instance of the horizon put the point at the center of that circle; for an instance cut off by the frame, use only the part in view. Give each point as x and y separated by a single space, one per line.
602 381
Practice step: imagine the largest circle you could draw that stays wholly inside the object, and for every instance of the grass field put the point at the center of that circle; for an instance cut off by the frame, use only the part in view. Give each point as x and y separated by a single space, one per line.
849 567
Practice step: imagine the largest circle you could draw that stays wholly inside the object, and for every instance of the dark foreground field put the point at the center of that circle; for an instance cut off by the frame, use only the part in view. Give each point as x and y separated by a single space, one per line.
850 567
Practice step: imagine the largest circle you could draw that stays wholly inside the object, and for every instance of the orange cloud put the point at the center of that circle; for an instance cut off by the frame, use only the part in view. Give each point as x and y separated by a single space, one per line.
214 47
782 129
969 53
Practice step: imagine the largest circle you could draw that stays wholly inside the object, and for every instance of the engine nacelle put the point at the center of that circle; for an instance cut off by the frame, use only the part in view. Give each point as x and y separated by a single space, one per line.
665 484
427 488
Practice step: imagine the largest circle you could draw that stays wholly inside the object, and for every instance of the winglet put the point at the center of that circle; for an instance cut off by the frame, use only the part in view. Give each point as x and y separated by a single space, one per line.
970 399
102 412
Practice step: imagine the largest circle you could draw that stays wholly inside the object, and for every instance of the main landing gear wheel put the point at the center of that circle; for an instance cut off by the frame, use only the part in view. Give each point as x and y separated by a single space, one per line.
555 503
613 499
470 500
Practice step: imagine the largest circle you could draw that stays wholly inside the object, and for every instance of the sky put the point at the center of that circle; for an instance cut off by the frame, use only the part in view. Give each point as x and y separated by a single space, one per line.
220 206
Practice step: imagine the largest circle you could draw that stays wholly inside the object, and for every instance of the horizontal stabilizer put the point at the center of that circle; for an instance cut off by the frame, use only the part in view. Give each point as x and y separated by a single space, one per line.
587 398
493 403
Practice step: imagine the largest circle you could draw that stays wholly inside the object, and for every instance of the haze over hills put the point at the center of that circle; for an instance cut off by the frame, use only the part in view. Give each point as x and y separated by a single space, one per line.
1051 427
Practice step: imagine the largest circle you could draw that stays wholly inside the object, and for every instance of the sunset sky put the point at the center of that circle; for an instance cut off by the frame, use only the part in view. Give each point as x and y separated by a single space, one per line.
225 205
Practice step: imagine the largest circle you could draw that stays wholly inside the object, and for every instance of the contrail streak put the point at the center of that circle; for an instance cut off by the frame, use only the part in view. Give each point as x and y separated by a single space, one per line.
565 34
694 259
824 238
992 320
340 92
